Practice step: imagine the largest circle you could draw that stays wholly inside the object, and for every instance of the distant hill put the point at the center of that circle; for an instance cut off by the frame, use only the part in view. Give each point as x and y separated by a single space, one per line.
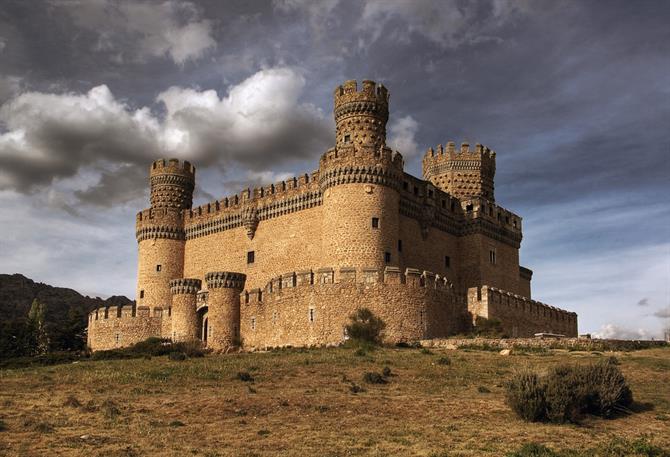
65 318
18 292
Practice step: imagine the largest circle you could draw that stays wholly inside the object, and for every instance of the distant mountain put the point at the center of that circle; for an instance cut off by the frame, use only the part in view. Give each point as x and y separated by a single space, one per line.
65 318
18 292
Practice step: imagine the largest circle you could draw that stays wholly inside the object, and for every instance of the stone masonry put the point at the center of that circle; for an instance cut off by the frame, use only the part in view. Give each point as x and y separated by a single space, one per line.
288 263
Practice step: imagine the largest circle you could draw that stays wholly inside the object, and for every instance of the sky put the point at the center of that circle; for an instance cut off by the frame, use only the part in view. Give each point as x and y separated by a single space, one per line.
574 97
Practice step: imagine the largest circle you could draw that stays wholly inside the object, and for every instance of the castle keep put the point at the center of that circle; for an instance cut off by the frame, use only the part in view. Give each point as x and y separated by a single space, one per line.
286 264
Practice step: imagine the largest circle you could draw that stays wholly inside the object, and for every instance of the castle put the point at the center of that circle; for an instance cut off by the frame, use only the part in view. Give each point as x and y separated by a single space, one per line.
288 263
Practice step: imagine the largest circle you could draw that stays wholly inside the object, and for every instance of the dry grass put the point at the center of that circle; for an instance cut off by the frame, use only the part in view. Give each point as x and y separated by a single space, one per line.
301 403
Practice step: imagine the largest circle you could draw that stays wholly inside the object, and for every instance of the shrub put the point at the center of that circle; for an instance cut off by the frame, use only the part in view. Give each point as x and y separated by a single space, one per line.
491 328
72 402
372 377
566 392
355 388
483 390
533 450
109 409
3 426
177 356
444 361
426 351
525 395
365 326
386 372
245 376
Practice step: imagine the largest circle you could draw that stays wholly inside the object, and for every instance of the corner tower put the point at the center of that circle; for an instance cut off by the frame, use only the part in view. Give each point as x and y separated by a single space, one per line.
359 179
160 231
463 173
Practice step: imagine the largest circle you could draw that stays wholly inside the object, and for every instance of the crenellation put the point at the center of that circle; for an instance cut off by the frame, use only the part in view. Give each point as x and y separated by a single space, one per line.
428 255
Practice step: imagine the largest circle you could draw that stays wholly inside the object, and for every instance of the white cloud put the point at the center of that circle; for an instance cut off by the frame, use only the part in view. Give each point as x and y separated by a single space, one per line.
3 44
9 86
616 332
260 121
402 136
663 313
172 28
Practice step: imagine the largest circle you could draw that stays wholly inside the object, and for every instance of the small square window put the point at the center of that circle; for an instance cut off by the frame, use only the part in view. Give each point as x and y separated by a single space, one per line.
141 294
492 256
399 245
405 185
430 193
444 204
469 208
375 222
159 267
347 138
251 257
387 257
447 261
311 314
253 323
416 190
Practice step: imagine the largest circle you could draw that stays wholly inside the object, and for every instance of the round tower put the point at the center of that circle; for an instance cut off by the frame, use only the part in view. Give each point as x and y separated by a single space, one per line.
223 311
160 231
360 179
184 316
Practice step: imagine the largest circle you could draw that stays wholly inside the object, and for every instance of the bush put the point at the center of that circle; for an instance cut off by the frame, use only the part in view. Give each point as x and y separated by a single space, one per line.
386 372
444 361
372 377
533 450
490 328
365 326
177 356
525 395
567 392
245 376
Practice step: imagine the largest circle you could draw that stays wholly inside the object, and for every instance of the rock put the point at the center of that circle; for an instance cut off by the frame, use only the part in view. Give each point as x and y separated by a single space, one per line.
506 352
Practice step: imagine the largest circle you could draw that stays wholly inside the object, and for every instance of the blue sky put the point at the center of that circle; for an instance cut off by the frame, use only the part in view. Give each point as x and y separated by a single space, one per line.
574 96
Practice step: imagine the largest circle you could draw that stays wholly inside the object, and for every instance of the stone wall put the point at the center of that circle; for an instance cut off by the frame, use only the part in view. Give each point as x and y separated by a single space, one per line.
309 308
116 327
520 316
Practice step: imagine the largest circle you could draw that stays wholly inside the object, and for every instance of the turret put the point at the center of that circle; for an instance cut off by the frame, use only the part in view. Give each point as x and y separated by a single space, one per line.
160 231
463 173
223 314
184 316
360 178
172 184
361 116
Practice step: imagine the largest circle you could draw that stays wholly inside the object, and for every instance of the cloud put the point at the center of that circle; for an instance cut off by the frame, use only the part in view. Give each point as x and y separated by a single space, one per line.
9 86
643 302
172 28
663 313
260 123
616 332
3 44
52 136
448 24
402 136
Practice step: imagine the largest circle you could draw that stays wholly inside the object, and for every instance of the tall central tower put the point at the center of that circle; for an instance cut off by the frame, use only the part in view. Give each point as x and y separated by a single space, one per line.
360 178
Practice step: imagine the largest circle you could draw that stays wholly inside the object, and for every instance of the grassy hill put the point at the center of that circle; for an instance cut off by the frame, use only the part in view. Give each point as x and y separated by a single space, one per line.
316 402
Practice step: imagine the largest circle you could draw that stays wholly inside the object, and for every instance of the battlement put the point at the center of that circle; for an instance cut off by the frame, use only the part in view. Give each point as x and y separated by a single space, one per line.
411 277
520 316
172 166
462 172
371 91
482 209
185 286
225 279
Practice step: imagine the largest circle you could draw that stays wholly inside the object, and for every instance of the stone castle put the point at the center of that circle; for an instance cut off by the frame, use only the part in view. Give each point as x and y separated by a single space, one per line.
288 263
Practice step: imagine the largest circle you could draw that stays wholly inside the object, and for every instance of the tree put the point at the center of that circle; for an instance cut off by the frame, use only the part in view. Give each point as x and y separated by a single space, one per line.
365 326
37 320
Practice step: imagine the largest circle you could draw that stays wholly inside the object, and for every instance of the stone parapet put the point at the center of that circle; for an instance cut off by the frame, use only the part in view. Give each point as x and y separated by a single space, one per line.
225 279
185 286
